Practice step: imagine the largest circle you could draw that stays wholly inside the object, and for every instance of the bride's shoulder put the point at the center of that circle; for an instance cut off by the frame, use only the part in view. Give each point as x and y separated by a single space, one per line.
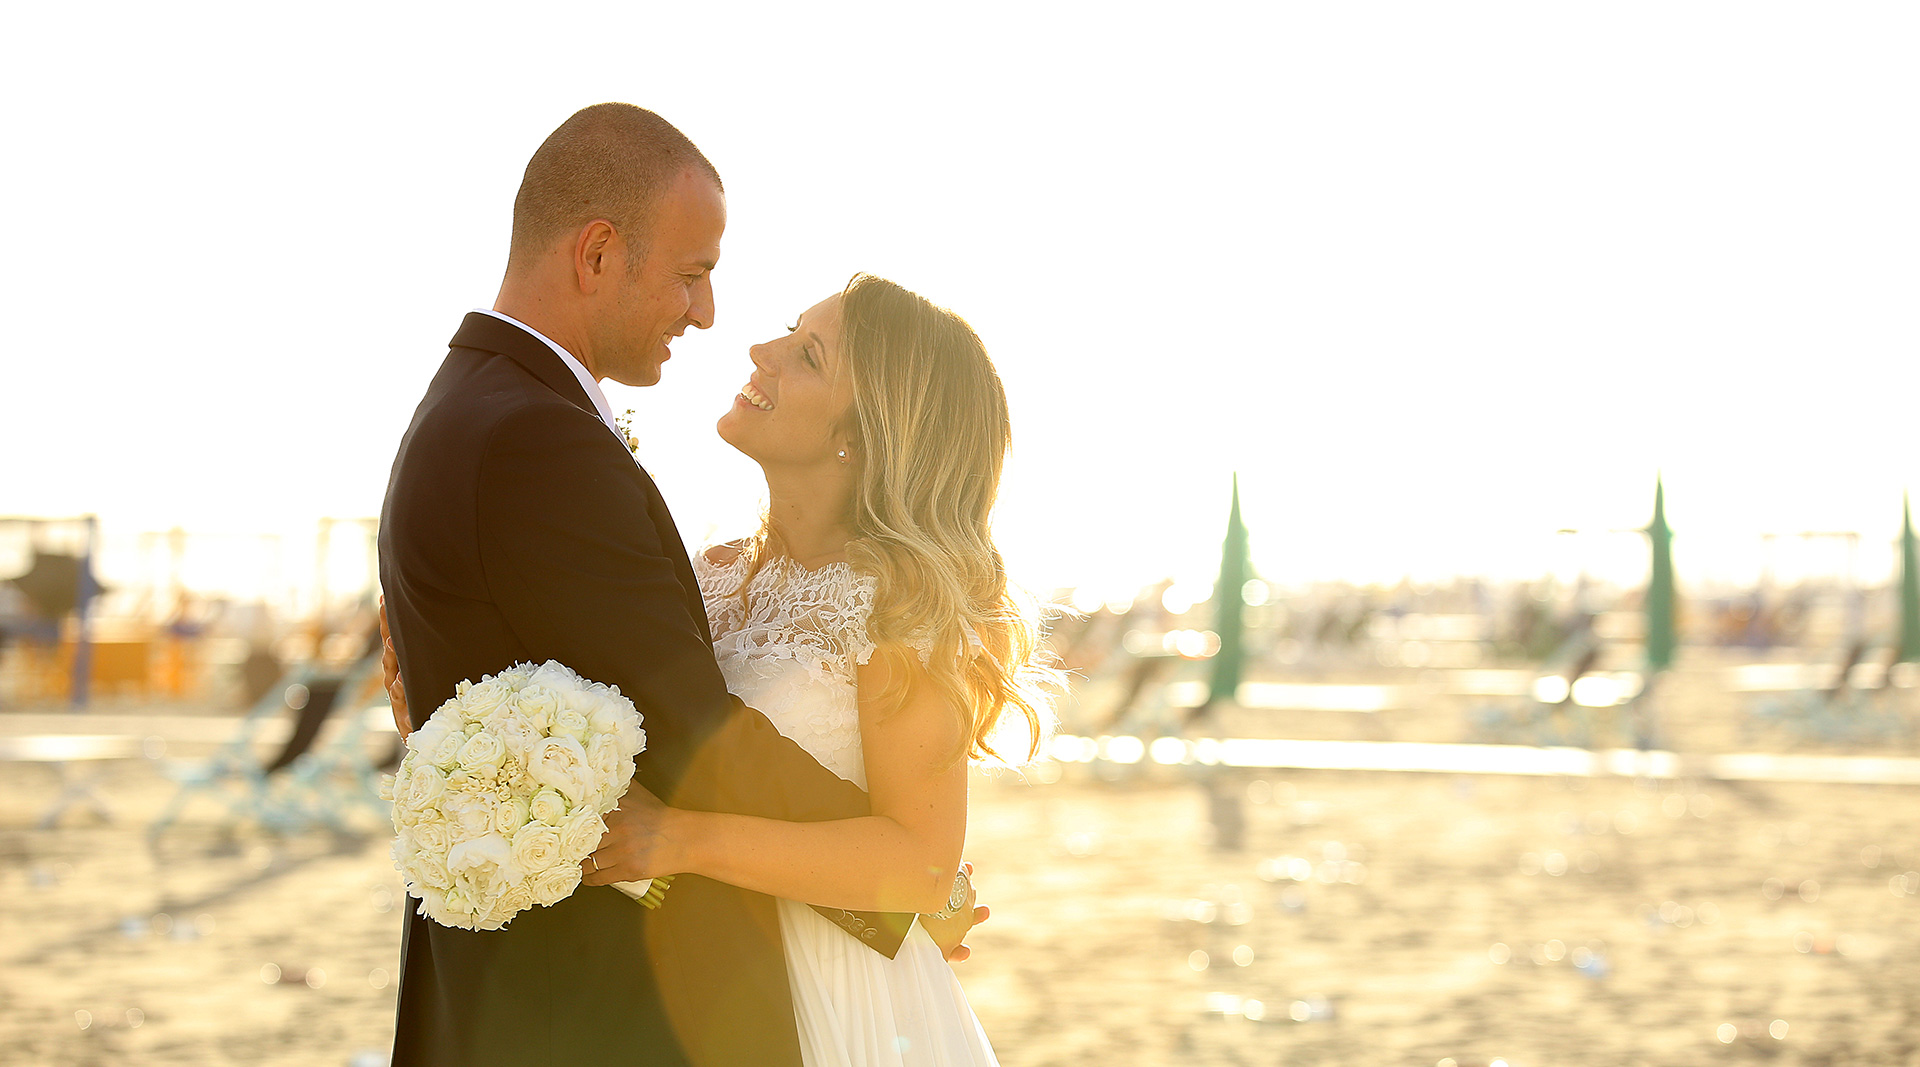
725 554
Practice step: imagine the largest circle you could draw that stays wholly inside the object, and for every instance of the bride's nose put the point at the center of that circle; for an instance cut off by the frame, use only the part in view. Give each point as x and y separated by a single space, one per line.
762 358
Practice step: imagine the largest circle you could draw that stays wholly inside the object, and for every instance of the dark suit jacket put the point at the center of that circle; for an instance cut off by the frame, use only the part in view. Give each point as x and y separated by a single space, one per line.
518 528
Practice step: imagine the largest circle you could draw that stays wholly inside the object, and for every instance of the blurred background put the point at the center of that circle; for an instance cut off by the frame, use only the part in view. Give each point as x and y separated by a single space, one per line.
1467 445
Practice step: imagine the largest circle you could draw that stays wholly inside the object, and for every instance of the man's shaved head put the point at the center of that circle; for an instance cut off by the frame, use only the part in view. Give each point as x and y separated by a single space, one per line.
609 161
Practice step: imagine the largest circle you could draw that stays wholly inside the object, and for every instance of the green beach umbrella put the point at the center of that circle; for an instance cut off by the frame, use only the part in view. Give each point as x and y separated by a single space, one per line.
1228 602
1909 588
1660 638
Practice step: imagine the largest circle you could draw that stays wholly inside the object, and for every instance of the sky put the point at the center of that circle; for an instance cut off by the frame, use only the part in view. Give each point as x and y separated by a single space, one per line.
1435 280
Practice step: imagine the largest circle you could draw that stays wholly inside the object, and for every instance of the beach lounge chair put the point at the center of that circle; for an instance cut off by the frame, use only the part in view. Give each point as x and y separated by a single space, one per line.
297 787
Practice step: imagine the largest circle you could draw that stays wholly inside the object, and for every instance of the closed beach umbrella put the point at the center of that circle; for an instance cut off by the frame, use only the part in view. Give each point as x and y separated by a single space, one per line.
1660 638
1909 588
1228 602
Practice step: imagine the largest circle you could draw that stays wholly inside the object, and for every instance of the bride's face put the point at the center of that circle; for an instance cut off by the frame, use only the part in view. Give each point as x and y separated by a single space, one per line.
789 412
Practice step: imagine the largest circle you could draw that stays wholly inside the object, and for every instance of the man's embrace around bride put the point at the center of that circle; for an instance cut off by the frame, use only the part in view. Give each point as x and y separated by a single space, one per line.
869 622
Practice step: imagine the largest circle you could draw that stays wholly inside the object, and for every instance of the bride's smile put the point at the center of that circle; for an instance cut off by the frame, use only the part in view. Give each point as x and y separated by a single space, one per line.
753 396
792 411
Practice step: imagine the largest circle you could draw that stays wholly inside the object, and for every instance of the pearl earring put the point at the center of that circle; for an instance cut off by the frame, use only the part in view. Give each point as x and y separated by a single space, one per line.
843 455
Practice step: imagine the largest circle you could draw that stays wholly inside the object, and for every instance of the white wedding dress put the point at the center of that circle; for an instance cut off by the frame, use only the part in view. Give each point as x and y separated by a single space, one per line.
790 649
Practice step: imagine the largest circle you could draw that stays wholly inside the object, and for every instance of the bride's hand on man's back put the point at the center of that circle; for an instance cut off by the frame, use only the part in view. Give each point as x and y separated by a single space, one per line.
390 671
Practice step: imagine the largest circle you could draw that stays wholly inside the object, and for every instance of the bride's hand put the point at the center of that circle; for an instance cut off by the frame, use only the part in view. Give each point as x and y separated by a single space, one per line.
639 842
390 672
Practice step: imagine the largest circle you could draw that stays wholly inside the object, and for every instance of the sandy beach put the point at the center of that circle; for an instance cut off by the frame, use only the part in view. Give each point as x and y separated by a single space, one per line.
1364 918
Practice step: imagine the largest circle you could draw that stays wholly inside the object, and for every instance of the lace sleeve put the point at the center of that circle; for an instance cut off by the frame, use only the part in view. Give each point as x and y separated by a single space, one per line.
720 588
858 642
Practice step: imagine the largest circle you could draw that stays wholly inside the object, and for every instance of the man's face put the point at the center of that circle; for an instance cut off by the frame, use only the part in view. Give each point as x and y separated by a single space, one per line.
669 287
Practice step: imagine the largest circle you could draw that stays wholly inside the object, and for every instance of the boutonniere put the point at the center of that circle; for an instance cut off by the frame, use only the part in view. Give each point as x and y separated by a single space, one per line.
624 424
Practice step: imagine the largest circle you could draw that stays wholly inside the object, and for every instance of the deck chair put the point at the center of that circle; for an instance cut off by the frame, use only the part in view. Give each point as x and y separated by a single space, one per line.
324 782
1841 712
279 793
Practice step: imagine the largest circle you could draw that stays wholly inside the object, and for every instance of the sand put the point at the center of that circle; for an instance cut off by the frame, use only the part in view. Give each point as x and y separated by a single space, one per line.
1640 922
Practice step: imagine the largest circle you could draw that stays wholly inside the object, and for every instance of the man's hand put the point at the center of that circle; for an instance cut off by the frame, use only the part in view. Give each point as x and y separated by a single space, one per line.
639 842
950 934
390 668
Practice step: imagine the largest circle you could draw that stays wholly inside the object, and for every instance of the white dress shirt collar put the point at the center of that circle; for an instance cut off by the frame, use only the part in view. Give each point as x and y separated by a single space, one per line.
579 370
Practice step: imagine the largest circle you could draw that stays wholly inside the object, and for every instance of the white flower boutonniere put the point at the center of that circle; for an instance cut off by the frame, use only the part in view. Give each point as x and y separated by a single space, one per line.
624 423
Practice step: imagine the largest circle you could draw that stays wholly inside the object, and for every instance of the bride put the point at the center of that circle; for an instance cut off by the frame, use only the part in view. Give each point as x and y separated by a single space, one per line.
871 621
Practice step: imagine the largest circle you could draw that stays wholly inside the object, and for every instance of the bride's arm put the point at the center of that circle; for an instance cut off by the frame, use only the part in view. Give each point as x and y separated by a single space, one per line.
900 858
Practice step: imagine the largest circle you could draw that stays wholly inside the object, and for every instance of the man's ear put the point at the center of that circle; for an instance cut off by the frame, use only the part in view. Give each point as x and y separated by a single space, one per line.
594 250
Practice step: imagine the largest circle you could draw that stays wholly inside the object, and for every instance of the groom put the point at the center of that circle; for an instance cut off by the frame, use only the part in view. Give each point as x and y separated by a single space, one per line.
517 527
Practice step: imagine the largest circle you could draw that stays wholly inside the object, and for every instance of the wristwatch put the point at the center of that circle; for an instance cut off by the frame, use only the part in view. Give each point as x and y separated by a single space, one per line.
958 898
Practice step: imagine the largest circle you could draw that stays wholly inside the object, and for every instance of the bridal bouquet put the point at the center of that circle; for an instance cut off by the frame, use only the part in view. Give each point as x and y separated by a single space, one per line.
501 793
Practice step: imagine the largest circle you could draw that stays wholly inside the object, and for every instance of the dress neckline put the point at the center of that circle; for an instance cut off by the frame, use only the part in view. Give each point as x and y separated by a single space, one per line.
781 563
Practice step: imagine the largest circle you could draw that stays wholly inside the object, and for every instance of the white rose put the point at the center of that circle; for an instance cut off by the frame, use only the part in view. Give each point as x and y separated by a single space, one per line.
561 763
445 753
553 884
482 853
423 786
548 806
429 742
538 705
537 847
582 834
429 872
570 723
509 815
482 754
429 835
514 900
484 701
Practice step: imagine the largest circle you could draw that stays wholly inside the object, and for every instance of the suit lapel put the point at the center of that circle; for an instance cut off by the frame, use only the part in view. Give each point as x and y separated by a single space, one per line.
485 333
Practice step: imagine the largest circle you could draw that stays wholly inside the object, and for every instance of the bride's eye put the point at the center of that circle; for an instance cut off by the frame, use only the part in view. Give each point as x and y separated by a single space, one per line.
807 354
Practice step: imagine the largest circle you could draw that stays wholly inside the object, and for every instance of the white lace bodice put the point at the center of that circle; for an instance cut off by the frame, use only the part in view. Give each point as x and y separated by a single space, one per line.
791 648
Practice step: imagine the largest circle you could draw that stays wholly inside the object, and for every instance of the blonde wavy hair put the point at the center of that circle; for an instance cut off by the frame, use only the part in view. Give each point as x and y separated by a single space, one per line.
929 425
